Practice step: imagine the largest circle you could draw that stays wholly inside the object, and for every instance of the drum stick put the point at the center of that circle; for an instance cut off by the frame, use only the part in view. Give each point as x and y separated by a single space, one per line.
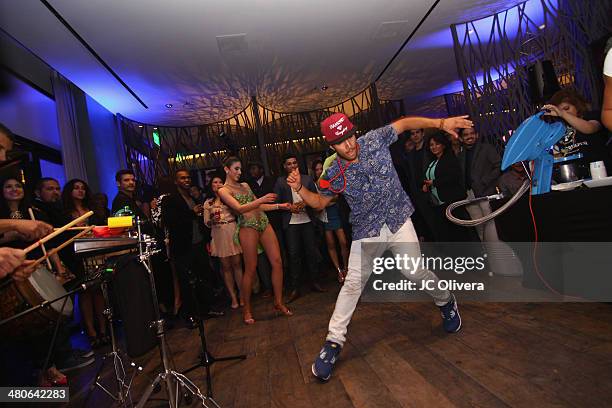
75 228
41 245
59 231
64 245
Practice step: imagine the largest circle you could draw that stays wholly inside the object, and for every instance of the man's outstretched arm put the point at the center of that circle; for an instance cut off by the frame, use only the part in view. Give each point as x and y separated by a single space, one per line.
449 125
314 200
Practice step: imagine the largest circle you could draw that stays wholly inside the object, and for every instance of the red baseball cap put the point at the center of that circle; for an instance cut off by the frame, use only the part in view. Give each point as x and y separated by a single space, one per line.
337 128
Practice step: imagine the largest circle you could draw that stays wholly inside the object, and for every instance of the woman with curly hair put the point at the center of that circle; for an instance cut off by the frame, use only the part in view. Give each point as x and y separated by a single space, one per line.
75 197
584 133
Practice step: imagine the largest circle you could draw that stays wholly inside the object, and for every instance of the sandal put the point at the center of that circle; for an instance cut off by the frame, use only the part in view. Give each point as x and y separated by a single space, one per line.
248 318
282 310
341 275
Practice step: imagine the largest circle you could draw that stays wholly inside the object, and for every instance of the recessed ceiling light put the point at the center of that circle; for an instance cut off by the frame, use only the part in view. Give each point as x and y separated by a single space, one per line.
139 126
543 26
168 105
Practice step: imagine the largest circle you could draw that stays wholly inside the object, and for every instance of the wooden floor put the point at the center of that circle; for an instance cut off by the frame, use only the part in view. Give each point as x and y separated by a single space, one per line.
397 355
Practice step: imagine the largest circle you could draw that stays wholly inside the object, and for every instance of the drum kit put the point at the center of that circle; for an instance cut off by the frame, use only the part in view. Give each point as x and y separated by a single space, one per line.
121 265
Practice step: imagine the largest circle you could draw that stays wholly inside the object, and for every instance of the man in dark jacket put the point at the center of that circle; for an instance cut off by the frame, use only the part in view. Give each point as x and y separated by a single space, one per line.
182 217
126 196
299 230
482 169
261 185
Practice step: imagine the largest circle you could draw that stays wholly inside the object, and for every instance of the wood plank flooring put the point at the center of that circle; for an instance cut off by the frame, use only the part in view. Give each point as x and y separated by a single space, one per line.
397 355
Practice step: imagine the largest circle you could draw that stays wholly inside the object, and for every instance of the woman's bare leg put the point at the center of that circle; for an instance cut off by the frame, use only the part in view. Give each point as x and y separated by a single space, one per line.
344 247
177 288
236 262
331 248
248 240
270 243
226 269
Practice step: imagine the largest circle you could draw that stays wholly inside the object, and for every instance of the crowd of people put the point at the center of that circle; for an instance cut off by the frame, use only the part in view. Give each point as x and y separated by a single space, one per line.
248 232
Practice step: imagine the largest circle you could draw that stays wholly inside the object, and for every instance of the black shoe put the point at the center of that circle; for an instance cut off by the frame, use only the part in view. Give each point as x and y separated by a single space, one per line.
191 323
215 313
95 342
105 339
293 296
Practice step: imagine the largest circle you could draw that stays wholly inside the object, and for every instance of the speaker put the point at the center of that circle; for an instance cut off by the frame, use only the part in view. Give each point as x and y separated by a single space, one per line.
543 82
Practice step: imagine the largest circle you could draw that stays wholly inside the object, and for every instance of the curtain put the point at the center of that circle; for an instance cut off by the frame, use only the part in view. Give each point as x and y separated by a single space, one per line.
72 154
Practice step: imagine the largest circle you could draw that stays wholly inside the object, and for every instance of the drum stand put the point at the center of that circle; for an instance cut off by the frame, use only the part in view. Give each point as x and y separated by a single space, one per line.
172 379
123 396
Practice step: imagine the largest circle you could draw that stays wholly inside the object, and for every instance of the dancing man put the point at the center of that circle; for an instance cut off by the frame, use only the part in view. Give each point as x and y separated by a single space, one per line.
363 172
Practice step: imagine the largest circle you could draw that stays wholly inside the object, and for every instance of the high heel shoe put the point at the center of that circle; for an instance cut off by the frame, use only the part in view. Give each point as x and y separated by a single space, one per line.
54 378
248 318
282 310
341 275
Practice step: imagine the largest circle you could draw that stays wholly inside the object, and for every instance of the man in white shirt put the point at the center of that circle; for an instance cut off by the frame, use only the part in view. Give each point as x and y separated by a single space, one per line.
299 232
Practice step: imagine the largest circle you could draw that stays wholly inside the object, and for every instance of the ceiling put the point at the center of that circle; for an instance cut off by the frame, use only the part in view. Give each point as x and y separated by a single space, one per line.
206 58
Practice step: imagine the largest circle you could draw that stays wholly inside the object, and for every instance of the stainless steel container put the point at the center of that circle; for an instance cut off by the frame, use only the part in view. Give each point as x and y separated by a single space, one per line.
569 172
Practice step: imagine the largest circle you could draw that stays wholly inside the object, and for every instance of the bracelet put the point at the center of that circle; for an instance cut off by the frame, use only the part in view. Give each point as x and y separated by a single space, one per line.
298 190
441 124
277 206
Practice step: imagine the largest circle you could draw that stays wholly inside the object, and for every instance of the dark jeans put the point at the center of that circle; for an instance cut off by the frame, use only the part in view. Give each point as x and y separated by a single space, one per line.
280 236
163 280
424 217
196 279
301 246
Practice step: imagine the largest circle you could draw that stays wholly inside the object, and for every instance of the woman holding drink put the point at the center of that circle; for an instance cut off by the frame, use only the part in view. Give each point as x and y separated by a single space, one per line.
222 222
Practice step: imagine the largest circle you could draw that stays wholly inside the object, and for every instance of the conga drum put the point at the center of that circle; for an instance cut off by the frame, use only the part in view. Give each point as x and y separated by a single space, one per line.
17 296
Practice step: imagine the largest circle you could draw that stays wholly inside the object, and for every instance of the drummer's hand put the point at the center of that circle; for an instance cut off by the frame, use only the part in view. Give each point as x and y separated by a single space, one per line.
32 230
24 271
10 259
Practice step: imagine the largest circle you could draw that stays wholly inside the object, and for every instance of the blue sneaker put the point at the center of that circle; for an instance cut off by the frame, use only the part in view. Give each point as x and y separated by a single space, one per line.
324 364
451 320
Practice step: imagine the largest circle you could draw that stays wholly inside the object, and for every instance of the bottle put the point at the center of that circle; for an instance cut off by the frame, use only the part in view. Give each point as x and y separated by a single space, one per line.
124 212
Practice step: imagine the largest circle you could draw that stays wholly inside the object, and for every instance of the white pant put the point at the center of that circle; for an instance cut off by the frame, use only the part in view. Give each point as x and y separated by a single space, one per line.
487 232
404 241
